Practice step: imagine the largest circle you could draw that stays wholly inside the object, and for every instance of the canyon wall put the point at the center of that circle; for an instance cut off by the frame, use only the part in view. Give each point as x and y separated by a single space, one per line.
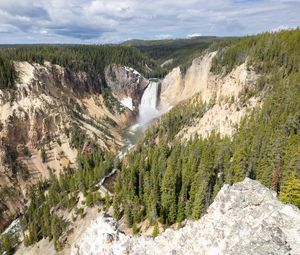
48 107
226 95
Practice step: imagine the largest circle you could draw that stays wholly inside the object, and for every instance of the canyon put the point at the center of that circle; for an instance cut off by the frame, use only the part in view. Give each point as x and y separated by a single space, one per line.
50 102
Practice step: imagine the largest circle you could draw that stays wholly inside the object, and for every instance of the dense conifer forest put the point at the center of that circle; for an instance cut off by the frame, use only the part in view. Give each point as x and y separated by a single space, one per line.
7 73
179 52
89 59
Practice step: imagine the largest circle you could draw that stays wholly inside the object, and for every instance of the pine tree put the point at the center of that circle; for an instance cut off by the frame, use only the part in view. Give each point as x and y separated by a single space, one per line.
155 232
168 196
290 191
116 207
181 207
128 215
6 244
135 229
43 155
276 177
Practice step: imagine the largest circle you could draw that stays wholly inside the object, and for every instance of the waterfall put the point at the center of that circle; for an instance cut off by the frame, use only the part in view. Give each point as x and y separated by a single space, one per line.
147 112
147 108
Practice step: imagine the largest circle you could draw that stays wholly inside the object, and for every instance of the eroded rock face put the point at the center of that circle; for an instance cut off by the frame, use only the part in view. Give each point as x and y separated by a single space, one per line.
11 205
47 101
227 95
178 86
245 218
126 84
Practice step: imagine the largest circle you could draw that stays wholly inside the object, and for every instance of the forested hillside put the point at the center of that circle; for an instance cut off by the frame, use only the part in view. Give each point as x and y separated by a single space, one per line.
42 221
178 52
7 73
51 122
89 59
53 198
267 53
169 181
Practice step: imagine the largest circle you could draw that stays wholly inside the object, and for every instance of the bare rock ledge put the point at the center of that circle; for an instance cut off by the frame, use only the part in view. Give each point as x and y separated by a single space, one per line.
245 218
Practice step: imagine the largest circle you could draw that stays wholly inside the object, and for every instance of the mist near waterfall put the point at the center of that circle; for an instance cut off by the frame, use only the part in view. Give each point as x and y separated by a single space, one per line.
147 108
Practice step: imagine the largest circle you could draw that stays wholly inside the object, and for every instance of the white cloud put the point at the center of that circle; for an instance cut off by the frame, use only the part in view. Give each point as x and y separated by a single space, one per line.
281 27
193 35
97 21
44 32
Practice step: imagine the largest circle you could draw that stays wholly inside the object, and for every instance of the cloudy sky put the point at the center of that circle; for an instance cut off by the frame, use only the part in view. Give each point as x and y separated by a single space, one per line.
111 21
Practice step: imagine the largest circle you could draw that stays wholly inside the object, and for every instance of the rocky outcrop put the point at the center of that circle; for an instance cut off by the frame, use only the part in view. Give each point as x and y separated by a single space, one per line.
44 102
178 86
11 205
127 84
230 99
245 218
226 95
223 118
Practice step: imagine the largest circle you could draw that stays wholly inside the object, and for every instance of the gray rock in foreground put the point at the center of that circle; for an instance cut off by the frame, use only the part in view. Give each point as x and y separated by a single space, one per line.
245 218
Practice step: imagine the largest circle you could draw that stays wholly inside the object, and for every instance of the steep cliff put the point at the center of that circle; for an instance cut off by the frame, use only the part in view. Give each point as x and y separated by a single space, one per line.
47 111
178 86
127 85
245 218
226 95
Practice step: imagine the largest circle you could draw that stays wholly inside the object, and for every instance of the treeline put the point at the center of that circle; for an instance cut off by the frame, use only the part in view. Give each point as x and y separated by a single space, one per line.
7 73
169 181
265 52
82 58
181 51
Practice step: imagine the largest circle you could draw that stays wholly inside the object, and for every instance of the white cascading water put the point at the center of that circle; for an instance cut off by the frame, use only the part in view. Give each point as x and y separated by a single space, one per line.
147 112
147 109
